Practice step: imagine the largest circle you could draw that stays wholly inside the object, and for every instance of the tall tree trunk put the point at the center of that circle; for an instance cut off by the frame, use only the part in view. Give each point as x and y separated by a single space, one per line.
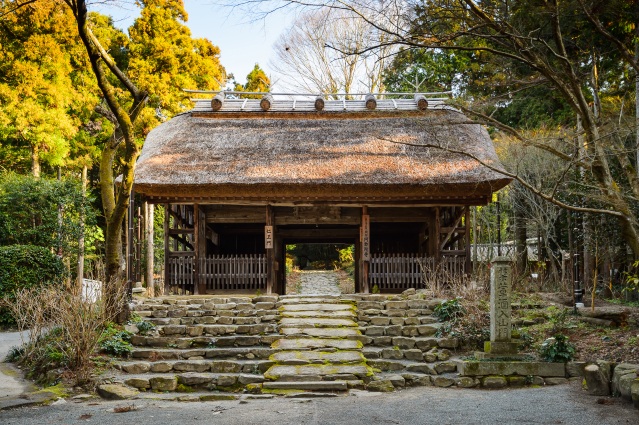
35 161
521 243
80 273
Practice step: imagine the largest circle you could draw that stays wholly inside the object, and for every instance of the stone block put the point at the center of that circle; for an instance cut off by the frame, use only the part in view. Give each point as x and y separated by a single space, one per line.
243 306
367 305
430 356
382 385
474 368
575 369
443 354
188 354
414 354
163 383
622 377
518 381
411 321
425 344
139 383
247 313
224 320
446 367
421 368
396 305
396 321
598 377
410 331
371 312
245 379
394 330
417 304
494 382
206 320
555 381
225 366
192 379
382 341
394 313
195 330
390 353
466 382
116 392
398 381
265 299
226 306
177 313
403 342
375 331
634 393
443 381
381 321
137 367
226 380
161 367
385 365
264 305
192 366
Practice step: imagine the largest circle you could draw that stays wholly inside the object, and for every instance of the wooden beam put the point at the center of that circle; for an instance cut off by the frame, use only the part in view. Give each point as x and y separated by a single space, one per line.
319 234
452 230
196 242
467 240
365 262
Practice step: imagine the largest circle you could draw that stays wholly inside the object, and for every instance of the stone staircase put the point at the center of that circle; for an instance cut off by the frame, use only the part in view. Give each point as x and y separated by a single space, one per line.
297 345
320 349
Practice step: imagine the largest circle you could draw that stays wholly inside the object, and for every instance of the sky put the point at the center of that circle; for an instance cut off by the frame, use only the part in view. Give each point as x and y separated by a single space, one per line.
243 40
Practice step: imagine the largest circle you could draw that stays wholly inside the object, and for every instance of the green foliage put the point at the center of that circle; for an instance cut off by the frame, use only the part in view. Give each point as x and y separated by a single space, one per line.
256 80
115 340
43 212
557 349
15 353
449 310
145 327
45 354
26 266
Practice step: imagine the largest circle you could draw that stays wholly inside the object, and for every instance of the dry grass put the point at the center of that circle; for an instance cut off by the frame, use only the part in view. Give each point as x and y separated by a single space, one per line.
79 322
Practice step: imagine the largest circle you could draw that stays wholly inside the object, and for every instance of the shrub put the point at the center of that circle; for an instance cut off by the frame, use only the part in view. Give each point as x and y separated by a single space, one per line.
557 349
449 310
115 340
26 266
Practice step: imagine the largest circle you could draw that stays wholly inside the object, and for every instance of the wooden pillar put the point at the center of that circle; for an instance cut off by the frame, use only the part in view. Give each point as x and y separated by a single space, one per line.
269 244
149 210
129 244
196 249
365 251
167 249
467 239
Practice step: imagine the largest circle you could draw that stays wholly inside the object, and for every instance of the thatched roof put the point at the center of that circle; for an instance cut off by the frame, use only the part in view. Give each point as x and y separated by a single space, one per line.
356 156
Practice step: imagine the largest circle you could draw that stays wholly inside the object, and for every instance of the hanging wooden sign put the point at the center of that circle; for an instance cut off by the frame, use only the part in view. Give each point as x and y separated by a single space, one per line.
366 237
268 237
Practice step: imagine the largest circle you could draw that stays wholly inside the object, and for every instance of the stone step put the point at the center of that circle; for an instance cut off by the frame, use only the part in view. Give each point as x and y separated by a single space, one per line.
316 322
310 299
316 343
219 329
316 307
423 343
317 357
319 314
319 372
248 353
187 380
215 366
390 365
307 385
204 341
321 332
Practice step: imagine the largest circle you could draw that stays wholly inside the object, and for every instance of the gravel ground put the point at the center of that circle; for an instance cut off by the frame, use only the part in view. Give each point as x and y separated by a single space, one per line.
566 404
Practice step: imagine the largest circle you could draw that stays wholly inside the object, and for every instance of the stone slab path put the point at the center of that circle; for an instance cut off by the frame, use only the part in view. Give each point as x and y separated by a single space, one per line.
319 282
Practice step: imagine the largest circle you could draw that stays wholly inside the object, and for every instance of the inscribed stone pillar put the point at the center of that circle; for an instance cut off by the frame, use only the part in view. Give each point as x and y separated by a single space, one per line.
500 293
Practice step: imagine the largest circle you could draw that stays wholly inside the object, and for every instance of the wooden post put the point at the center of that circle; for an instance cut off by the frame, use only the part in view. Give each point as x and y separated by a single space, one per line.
149 210
319 103
371 102
365 253
467 239
271 279
421 102
196 249
167 248
266 102
217 102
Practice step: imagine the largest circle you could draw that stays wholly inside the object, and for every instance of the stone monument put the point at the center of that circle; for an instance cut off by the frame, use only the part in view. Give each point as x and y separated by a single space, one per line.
501 343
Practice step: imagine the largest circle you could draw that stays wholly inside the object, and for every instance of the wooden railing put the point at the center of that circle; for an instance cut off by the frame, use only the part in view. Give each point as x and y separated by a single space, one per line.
234 272
397 272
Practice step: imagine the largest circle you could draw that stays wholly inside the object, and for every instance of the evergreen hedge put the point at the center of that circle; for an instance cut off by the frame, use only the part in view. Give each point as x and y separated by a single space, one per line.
26 266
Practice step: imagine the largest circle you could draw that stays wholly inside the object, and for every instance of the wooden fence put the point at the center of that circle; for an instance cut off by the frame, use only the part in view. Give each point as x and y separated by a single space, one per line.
398 272
234 272
180 274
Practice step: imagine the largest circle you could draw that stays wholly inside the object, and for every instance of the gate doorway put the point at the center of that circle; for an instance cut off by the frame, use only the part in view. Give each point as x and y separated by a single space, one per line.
320 268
